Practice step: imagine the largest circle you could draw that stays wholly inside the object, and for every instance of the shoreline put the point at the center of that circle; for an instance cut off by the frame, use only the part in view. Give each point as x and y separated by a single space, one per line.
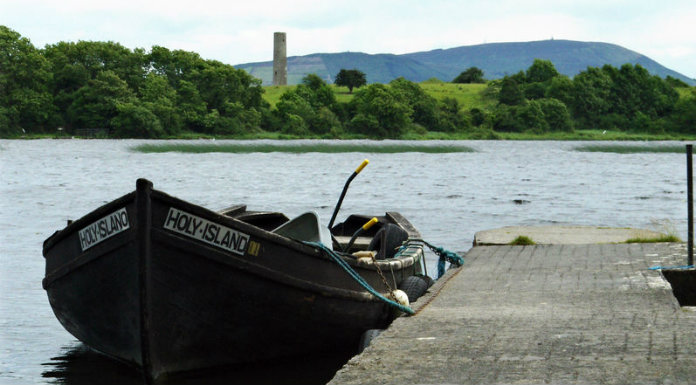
578 135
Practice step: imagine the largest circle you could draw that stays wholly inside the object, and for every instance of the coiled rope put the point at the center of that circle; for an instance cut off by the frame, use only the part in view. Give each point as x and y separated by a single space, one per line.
341 262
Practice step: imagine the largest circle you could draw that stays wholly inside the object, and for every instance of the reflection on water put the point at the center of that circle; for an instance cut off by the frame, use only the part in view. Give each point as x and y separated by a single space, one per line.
80 365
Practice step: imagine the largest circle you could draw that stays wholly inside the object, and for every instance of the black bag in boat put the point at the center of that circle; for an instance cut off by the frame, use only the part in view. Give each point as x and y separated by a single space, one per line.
387 241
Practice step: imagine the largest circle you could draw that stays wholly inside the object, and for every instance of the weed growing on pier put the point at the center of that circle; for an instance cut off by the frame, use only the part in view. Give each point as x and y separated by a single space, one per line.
660 239
522 240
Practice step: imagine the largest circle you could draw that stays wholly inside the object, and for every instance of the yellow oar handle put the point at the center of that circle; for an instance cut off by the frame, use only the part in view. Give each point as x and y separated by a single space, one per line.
370 223
362 166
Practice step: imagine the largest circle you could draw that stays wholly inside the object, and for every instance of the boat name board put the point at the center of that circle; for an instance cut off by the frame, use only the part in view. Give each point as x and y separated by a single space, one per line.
206 231
104 228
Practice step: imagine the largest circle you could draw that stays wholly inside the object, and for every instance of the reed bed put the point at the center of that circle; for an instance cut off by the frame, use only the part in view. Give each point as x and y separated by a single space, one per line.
300 148
633 148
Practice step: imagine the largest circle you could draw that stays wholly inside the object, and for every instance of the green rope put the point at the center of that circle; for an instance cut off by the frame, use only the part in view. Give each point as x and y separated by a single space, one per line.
445 256
341 262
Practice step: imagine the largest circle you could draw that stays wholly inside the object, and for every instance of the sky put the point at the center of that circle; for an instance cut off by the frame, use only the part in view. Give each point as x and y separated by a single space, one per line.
236 32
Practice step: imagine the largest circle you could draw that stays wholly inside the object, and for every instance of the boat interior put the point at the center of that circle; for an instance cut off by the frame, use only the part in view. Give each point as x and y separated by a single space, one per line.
308 227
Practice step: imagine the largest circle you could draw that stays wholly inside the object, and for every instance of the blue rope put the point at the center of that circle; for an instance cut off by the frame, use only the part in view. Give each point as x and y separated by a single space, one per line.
445 256
341 262
671 267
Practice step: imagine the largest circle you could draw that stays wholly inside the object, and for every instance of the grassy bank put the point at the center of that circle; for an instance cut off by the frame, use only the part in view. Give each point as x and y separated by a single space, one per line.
590 135
242 148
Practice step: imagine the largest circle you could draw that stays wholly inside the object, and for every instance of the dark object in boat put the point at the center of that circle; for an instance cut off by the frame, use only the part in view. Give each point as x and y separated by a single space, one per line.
170 286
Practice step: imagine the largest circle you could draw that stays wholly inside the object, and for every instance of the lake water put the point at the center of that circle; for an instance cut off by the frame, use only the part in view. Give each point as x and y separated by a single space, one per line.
448 197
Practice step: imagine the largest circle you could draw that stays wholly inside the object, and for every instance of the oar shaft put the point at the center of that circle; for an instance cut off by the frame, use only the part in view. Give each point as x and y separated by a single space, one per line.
340 199
345 189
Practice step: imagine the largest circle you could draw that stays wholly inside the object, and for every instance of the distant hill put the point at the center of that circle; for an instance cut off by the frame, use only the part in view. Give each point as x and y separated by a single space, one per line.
495 59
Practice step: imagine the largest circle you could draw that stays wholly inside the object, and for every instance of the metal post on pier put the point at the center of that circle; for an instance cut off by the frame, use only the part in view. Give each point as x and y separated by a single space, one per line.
690 201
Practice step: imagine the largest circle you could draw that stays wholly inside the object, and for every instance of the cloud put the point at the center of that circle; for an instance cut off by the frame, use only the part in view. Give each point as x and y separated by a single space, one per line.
238 32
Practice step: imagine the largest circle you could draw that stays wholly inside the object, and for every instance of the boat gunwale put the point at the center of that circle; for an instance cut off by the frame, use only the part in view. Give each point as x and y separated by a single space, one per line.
122 240
86 219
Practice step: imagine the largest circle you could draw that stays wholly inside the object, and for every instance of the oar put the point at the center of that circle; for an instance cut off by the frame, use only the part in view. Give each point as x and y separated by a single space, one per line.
364 227
345 188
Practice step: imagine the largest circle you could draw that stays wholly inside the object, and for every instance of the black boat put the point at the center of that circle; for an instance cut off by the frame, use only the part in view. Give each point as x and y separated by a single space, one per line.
169 286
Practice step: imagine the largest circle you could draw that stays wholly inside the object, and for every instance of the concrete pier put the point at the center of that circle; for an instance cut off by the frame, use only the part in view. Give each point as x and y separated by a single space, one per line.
563 235
559 314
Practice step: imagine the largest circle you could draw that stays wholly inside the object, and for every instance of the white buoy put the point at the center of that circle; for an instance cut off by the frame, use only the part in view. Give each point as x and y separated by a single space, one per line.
401 297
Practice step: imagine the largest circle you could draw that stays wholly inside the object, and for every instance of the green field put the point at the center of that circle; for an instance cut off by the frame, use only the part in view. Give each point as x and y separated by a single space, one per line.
468 95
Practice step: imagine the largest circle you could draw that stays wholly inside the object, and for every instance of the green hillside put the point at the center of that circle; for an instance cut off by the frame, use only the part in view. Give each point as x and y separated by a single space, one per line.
468 95
495 59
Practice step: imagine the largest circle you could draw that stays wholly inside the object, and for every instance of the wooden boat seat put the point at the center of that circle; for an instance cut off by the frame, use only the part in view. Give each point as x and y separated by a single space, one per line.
361 243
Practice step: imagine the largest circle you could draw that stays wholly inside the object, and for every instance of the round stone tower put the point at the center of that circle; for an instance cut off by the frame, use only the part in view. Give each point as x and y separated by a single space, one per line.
280 60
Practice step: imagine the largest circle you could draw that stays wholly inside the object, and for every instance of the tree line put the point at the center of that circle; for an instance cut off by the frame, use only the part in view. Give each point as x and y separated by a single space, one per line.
628 98
164 93
132 93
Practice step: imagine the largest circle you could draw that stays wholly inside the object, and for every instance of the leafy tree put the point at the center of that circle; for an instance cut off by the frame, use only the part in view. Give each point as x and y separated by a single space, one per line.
67 80
24 78
294 103
478 117
325 121
520 78
531 118
176 65
424 106
451 117
160 98
96 57
471 75
591 90
556 115
683 117
96 104
135 121
510 93
295 125
351 79
536 90
675 83
313 81
310 102
379 112
561 88
321 94
220 84
541 71
635 95
504 119
191 106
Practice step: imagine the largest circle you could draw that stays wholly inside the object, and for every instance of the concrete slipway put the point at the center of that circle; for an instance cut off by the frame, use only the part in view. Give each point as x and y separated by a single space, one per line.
556 313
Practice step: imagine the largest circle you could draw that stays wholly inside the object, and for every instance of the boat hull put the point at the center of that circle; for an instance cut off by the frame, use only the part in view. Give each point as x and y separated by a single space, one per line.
172 287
